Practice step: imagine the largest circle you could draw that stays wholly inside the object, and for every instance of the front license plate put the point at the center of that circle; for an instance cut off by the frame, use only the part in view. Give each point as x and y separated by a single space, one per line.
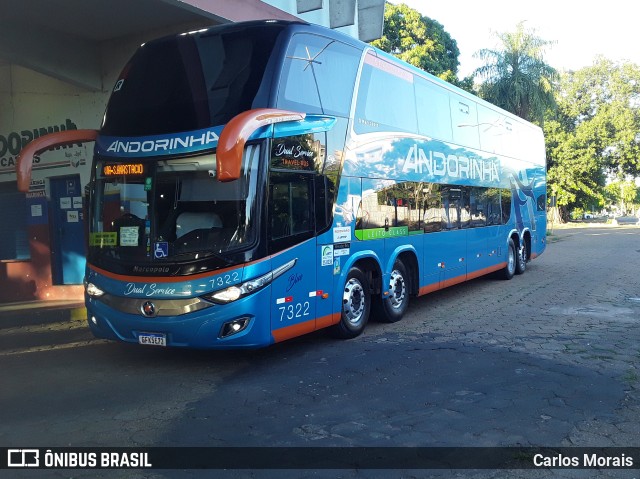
152 339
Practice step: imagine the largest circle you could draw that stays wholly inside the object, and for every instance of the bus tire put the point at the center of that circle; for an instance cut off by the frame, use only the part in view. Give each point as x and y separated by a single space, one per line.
355 306
521 259
392 307
510 269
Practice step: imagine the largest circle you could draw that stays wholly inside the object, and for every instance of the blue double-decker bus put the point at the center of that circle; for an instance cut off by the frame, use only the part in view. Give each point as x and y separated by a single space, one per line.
257 181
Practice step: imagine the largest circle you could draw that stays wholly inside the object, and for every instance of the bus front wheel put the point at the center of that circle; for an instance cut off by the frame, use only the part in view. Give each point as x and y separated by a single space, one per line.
393 306
356 305
510 269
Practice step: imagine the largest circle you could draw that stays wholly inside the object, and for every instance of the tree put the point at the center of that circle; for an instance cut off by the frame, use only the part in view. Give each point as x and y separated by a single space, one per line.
420 41
624 194
593 133
516 77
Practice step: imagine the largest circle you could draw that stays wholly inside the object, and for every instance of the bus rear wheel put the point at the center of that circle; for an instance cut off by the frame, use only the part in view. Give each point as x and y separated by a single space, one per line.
356 306
393 306
521 258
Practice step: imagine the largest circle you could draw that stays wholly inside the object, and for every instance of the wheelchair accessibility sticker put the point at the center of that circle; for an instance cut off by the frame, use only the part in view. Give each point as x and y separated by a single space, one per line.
161 249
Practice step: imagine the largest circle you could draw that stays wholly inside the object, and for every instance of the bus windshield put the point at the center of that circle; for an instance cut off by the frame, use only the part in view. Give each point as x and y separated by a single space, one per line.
190 81
171 211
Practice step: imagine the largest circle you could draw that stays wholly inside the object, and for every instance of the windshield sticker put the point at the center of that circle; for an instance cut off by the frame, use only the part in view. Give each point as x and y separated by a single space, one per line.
161 249
103 239
129 235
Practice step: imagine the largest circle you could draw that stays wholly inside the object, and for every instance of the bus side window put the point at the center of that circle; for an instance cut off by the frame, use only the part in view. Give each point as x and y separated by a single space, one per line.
506 205
456 211
494 211
290 205
434 114
464 119
386 99
432 217
478 206
324 195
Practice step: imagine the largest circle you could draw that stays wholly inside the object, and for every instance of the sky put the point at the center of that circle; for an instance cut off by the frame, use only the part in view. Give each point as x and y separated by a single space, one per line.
581 30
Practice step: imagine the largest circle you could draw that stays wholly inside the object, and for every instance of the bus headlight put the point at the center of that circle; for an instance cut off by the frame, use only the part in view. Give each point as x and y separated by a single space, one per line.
233 293
92 290
227 295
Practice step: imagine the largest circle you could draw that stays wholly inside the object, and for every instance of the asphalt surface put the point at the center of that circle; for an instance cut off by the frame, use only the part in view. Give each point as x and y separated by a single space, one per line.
549 358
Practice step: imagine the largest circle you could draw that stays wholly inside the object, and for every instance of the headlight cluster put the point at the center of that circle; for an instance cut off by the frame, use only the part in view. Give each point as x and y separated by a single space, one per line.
234 293
92 290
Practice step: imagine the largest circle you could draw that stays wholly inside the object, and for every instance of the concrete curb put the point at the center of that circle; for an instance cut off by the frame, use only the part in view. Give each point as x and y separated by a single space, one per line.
29 314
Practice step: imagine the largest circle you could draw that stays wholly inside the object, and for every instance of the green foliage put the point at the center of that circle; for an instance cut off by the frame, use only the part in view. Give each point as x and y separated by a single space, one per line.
604 101
422 42
516 76
593 134
622 193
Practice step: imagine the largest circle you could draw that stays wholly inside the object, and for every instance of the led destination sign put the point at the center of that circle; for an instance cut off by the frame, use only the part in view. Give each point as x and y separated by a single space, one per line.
127 169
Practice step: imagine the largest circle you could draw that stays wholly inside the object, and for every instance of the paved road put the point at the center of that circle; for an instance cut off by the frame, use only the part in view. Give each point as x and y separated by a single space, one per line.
548 359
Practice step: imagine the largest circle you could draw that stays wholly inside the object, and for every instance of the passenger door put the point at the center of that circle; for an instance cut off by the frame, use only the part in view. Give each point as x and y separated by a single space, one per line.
292 237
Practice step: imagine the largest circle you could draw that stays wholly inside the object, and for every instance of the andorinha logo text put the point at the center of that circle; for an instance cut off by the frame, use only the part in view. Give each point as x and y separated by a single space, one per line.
435 163
208 138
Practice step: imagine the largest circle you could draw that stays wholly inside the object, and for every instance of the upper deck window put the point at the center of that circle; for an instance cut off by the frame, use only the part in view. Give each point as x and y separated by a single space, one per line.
191 81
318 76
386 99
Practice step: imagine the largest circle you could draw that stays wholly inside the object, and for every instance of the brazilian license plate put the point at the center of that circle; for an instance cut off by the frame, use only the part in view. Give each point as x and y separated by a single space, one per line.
152 339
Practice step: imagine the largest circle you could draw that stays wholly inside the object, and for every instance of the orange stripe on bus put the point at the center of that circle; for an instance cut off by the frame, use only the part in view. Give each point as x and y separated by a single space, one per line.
460 279
490 269
328 320
299 329
294 330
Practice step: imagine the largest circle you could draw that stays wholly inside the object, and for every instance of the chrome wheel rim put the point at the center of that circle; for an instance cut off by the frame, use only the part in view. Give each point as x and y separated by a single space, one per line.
397 289
353 301
511 260
522 255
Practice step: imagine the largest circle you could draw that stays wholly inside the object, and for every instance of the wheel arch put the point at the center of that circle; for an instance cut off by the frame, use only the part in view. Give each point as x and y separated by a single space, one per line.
369 263
522 239
409 257
526 240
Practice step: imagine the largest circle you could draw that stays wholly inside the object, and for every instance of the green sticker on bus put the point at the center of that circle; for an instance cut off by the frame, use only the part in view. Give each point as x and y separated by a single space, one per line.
103 239
380 233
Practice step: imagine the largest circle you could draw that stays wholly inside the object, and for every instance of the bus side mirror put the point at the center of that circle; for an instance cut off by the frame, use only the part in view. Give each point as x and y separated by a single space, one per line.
24 163
236 133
